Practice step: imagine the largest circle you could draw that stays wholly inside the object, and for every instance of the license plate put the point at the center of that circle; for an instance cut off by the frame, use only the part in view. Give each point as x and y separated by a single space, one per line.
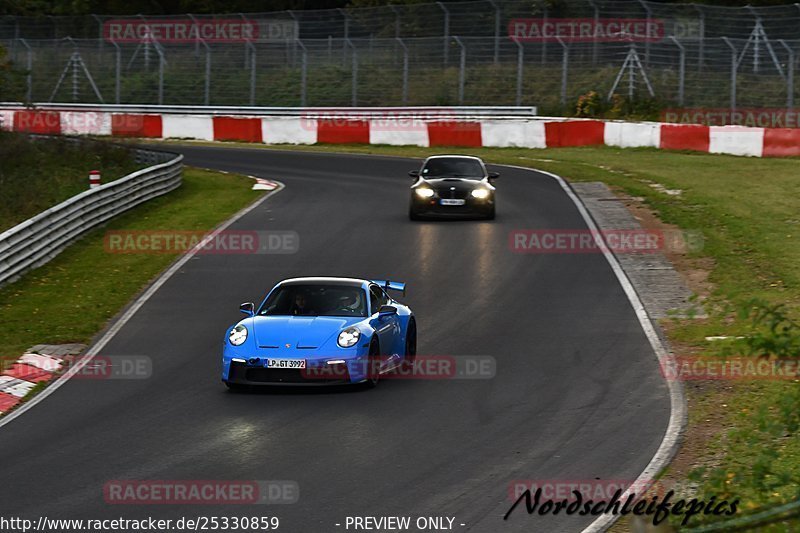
451 201
286 363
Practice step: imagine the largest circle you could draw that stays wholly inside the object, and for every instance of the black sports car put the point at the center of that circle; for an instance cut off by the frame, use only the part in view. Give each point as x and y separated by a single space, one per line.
452 185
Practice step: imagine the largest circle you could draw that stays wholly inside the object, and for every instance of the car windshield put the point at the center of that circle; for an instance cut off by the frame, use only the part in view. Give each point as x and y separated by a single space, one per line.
457 167
315 300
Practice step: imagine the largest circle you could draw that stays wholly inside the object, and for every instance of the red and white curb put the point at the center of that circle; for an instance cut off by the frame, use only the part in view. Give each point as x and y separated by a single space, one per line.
40 363
262 184
536 132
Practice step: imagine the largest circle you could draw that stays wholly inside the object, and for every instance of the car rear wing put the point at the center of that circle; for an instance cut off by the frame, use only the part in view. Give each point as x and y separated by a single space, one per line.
398 286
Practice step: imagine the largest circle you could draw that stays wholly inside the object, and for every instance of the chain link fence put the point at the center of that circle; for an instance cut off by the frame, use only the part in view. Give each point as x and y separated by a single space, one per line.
458 53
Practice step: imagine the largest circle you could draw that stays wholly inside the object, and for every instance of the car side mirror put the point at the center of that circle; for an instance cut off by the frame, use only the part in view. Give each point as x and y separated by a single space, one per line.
414 174
387 310
493 176
248 308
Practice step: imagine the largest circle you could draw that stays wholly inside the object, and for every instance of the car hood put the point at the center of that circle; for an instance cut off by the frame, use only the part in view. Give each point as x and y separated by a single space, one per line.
298 331
460 184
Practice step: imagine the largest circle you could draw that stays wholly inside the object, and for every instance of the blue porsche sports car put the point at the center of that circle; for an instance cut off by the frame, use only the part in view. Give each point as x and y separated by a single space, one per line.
320 331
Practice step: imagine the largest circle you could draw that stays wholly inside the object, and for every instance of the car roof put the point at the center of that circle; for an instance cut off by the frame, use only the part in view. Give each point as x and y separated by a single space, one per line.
459 156
351 282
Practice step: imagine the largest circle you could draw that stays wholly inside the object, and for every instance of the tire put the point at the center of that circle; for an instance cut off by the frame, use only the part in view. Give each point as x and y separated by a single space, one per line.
412 215
411 343
490 216
372 361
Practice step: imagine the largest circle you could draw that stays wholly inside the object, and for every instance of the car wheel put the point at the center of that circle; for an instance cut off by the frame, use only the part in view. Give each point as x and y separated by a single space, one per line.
373 362
412 215
490 216
411 343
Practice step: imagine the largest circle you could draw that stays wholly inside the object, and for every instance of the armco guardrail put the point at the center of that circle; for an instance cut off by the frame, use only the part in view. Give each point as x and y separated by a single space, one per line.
37 240
428 112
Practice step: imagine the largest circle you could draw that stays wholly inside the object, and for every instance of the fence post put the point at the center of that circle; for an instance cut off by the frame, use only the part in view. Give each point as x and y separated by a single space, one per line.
702 41
99 33
354 70
462 67
345 33
681 68
544 41
520 61
446 36
733 72
405 70
161 62
207 81
789 75
647 40
118 70
396 21
29 69
564 69
596 23
303 72
496 31
252 72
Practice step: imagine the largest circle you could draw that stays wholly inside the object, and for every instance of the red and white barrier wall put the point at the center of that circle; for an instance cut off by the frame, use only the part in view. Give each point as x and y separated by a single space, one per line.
528 133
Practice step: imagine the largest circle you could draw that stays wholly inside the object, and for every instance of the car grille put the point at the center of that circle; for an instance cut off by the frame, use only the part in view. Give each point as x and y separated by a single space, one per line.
459 194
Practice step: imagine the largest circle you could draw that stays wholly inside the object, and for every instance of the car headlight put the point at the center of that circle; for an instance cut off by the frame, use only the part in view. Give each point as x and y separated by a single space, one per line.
237 335
348 337
480 194
424 192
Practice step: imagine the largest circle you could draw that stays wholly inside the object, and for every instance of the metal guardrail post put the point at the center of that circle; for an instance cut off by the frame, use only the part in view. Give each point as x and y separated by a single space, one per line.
681 68
405 70
789 75
734 64
446 34
462 67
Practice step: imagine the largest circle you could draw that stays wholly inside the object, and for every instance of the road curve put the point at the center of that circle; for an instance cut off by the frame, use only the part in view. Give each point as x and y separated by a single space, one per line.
577 394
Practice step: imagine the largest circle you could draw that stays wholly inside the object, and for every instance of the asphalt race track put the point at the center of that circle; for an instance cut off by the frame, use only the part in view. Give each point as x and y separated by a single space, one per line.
577 394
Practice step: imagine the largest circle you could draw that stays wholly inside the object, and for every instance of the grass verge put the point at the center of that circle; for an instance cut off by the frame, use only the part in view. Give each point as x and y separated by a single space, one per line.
72 297
36 175
742 438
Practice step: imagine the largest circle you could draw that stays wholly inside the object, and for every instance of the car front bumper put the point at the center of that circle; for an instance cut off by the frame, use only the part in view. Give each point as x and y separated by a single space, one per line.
432 207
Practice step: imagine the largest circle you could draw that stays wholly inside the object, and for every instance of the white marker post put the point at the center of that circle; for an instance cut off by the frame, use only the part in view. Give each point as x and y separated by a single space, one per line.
94 179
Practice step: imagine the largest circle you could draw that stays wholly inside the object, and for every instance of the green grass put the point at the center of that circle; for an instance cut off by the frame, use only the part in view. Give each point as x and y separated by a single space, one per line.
36 175
70 300
748 210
